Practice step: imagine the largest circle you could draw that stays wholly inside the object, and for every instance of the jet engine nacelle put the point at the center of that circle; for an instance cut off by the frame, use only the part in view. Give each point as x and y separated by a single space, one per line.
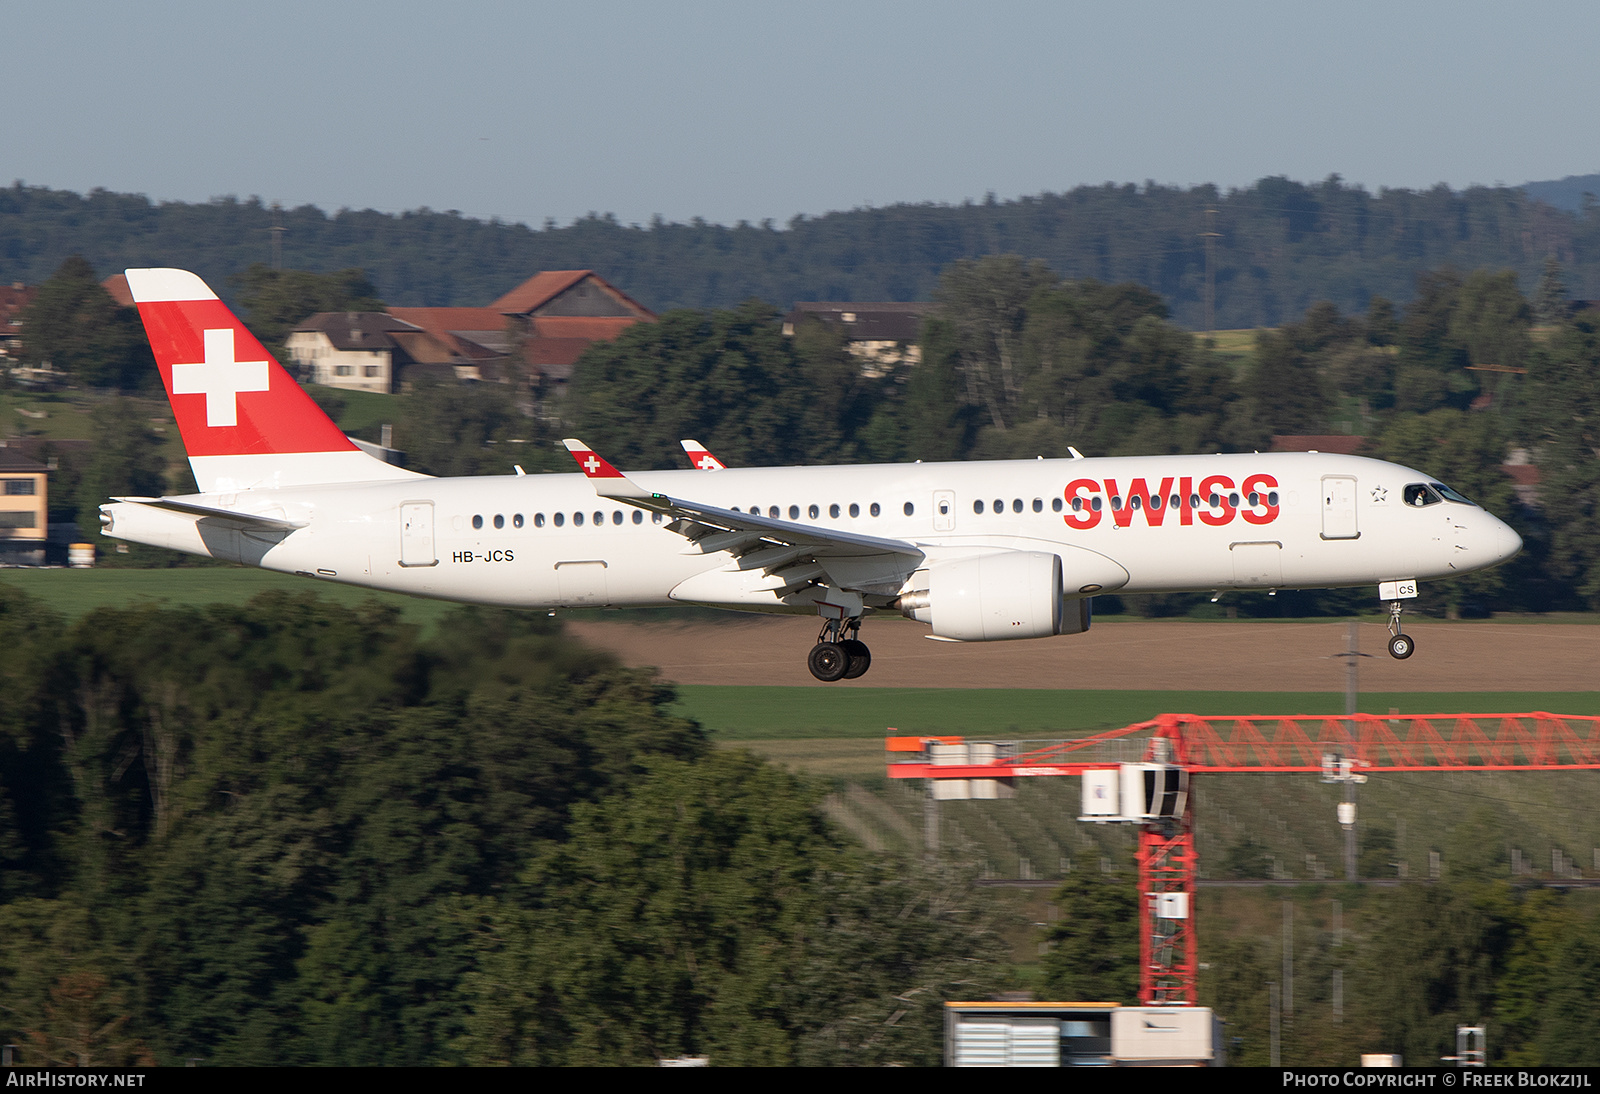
988 598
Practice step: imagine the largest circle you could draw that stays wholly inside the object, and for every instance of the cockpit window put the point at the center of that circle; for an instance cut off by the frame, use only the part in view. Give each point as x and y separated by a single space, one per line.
1451 495
1418 495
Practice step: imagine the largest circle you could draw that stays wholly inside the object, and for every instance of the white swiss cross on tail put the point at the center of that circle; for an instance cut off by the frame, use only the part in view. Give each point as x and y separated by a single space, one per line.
220 378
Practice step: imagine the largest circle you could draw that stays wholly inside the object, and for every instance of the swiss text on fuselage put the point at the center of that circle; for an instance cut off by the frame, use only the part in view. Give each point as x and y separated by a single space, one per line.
1213 500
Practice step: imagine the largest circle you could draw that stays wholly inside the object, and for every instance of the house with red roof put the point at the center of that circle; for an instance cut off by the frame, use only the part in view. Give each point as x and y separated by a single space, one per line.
559 313
13 300
539 330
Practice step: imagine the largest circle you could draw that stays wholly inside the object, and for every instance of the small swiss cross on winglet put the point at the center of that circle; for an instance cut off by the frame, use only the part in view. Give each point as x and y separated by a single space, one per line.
589 463
608 482
700 458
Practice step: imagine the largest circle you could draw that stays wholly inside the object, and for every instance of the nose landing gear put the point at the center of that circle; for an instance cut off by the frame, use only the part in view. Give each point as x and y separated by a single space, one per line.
839 654
1401 645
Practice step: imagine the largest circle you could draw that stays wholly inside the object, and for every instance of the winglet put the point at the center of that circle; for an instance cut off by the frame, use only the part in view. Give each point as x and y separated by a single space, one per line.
607 481
701 458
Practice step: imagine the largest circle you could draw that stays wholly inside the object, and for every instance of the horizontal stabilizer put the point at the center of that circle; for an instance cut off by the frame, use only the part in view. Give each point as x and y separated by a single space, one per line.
249 520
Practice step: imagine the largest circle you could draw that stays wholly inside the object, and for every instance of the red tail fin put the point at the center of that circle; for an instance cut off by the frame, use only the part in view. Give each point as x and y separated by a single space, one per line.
237 409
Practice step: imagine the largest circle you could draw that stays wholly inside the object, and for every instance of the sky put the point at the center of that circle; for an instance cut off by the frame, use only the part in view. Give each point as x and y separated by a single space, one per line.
747 111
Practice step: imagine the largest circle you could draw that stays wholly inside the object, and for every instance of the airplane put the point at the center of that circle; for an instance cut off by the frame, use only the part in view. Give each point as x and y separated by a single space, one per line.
982 551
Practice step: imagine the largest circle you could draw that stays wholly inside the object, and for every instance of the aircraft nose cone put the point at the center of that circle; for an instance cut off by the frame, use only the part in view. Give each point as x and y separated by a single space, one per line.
1504 542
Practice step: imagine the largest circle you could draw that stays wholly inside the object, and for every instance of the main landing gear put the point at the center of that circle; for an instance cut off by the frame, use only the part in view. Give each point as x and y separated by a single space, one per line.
836 656
1401 645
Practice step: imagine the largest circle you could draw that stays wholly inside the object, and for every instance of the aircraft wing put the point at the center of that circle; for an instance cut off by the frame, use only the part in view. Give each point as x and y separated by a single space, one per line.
249 520
871 564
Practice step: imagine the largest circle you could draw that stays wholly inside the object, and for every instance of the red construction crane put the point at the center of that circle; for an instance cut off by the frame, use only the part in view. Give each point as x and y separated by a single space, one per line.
1334 746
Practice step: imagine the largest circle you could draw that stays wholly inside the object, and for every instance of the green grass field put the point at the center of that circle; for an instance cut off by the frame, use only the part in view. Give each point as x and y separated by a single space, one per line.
74 593
787 713
1237 343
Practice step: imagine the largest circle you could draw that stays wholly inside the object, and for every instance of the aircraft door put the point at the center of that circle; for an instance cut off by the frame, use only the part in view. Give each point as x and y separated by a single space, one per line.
582 584
944 510
1339 508
416 534
1257 565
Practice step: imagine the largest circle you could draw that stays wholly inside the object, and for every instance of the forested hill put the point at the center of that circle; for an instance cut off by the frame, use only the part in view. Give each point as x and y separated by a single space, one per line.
1280 245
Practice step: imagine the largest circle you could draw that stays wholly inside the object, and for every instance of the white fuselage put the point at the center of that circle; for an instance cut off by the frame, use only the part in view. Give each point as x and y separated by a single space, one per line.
548 541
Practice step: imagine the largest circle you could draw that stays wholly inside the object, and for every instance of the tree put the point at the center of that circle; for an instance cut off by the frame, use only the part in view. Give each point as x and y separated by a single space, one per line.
458 429
1095 943
1564 423
275 301
127 460
986 304
1550 302
1492 320
1432 363
76 327
1430 968
729 378
1465 451
709 909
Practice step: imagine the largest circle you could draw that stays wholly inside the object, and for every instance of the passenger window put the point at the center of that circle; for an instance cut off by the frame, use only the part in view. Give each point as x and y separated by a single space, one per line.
477 521
616 516
1038 505
1175 501
833 510
874 510
999 505
1272 497
1133 503
1055 505
977 506
1094 503
855 510
638 516
499 520
1116 502
1016 505
577 520
516 520
1214 501
1194 501
814 512
772 511
794 512
560 518
1255 498
657 518
1077 505
1233 500
538 520
910 509
599 518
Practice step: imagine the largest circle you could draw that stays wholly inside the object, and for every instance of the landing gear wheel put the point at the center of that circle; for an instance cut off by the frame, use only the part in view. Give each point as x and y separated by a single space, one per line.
828 661
1402 646
860 657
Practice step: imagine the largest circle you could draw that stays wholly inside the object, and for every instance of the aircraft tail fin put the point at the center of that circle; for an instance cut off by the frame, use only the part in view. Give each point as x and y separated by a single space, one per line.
245 423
